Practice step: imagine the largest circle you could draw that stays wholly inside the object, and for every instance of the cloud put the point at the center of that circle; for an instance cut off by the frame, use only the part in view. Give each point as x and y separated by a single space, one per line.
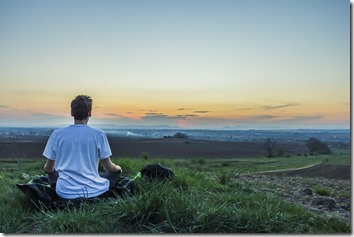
279 119
266 107
163 119
190 115
201 111
269 107
302 118
111 114
116 115
4 106
154 114
184 109
261 117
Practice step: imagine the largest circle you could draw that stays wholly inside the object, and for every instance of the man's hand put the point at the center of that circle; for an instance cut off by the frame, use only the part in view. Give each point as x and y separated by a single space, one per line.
109 166
119 169
48 166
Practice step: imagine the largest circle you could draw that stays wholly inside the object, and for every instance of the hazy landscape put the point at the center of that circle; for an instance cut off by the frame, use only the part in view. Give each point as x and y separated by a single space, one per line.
157 142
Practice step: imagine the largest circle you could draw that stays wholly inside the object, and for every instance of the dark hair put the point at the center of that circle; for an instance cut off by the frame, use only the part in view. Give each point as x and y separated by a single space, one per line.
81 107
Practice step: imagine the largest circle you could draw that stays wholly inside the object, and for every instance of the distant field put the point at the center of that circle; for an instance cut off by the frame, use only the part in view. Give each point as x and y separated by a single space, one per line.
250 165
165 148
236 165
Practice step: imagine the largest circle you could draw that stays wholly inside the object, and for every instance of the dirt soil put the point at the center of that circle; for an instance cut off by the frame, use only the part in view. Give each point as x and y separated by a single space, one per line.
188 148
164 147
290 187
322 170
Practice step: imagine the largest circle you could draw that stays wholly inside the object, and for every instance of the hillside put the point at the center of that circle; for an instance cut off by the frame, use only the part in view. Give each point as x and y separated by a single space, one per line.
204 197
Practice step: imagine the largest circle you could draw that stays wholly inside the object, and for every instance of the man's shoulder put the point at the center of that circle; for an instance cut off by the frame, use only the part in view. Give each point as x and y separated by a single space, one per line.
97 130
58 130
73 129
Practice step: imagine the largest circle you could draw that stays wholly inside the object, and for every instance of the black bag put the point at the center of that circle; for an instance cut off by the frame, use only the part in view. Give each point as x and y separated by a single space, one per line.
39 191
157 172
125 186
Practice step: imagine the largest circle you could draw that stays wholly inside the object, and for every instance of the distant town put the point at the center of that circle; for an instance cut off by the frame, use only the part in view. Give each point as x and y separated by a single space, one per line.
339 136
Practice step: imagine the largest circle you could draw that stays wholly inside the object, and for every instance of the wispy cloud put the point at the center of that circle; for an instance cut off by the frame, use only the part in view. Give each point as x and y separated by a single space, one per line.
116 116
272 118
4 106
270 107
184 109
201 111
154 114
189 115
262 117
266 107
302 118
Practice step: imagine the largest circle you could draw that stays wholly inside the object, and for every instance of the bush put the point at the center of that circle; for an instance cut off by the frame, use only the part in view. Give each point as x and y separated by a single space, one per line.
224 177
145 156
317 146
201 161
180 135
225 163
322 191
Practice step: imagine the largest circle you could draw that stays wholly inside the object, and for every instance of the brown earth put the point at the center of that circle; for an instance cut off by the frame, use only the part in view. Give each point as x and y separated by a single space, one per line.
164 147
322 170
302 191
187 148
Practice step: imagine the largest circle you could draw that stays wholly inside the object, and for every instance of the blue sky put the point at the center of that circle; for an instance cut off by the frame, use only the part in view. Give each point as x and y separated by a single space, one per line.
244 63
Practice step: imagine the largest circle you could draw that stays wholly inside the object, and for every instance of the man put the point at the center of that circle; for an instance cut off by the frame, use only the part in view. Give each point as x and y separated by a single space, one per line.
73 153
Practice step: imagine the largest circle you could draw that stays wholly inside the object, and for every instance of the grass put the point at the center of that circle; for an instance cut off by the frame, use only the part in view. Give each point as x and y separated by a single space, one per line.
193 202
250 165
323 191
340 159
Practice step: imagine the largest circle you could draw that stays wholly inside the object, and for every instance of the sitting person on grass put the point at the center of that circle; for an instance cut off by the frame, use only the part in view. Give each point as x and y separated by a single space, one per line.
73 153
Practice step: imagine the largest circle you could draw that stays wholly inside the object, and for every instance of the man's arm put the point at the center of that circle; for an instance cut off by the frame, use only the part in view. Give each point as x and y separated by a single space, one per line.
48 166
109 166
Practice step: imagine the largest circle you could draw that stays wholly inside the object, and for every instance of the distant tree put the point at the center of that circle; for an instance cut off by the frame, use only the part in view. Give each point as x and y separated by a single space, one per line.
269 146
317 146
180 135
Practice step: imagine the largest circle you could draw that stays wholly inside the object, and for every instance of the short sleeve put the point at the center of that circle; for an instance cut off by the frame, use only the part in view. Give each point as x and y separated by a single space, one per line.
104 150
49 150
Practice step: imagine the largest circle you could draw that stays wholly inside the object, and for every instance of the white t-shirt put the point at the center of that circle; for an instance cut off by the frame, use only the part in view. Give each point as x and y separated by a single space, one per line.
76 150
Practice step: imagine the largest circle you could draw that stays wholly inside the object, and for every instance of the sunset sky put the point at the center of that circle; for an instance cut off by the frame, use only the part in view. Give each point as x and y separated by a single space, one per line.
189 63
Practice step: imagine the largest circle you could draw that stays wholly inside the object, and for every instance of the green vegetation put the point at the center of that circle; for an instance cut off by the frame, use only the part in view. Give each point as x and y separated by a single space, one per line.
251 165
340 159
202 198
323 191
317 146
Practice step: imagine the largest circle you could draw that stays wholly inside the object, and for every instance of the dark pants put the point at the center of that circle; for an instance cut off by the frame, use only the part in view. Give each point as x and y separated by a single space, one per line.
112 177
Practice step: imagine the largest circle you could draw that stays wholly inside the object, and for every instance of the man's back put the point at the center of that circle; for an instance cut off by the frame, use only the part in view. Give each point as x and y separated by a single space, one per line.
76 150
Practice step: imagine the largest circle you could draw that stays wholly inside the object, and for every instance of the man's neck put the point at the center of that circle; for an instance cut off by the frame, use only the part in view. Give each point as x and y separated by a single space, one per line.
84 121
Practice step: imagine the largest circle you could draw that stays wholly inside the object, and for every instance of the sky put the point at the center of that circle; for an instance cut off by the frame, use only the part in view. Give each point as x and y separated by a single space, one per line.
190 63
